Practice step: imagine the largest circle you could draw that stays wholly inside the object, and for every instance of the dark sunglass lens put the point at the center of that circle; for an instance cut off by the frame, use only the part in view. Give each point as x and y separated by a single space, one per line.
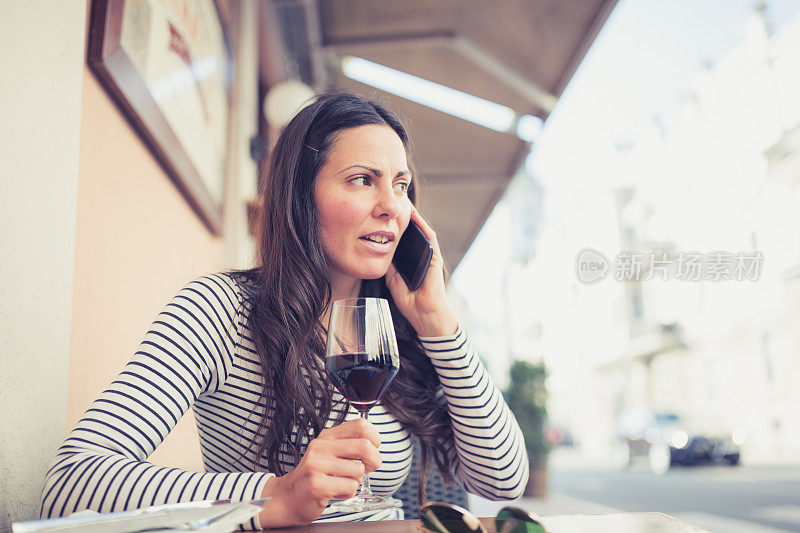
437 517
512 520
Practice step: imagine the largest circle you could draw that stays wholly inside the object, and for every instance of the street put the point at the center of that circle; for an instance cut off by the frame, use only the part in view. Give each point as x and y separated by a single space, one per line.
747 498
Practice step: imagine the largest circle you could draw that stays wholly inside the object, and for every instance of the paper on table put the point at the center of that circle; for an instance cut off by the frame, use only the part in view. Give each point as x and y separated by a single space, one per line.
206 516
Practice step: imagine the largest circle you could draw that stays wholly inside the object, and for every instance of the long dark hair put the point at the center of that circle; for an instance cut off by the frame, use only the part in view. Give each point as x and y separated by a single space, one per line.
293 290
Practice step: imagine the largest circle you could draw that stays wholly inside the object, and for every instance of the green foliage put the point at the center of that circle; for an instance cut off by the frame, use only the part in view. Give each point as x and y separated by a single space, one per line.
527 397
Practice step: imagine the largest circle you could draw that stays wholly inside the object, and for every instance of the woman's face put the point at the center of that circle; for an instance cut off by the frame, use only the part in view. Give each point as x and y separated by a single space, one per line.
360 192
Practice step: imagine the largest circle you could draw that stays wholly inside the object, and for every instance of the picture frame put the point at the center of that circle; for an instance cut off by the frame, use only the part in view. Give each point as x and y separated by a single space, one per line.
167 65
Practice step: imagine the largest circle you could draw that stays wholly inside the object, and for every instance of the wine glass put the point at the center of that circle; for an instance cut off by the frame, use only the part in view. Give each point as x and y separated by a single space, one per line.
361 360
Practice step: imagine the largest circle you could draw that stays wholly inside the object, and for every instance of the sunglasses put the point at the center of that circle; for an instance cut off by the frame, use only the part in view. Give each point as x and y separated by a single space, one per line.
448 518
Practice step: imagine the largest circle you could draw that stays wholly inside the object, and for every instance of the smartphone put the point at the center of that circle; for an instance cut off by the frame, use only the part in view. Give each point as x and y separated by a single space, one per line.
413 256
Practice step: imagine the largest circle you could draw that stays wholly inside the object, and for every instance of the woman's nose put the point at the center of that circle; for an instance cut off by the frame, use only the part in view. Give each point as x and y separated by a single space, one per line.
387 203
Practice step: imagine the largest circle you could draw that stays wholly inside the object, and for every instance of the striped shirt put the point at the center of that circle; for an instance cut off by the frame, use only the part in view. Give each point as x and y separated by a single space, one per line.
199 354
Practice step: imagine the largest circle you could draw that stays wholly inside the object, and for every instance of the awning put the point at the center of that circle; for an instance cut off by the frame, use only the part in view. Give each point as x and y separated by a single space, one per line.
519 53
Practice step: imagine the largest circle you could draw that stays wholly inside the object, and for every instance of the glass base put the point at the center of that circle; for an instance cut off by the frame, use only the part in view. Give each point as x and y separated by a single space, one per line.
364 503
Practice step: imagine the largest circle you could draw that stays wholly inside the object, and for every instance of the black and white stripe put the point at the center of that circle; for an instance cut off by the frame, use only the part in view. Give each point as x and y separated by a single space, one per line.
199 353
488 451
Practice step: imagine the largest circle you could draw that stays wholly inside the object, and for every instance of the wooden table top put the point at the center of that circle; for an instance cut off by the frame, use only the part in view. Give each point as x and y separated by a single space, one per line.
614 523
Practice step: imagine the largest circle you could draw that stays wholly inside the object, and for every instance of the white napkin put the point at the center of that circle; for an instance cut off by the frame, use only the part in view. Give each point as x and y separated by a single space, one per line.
205 516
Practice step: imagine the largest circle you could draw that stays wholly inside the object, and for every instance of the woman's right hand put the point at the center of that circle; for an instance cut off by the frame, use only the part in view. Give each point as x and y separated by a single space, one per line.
328 470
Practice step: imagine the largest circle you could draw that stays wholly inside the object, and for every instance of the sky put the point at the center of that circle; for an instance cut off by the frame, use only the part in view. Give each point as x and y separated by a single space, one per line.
643 64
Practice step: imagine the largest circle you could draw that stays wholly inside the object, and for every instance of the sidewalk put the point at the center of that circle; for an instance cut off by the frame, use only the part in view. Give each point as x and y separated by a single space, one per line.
564 460
553 504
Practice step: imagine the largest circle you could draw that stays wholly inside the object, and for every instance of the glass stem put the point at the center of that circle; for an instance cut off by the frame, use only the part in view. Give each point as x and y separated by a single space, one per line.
365 491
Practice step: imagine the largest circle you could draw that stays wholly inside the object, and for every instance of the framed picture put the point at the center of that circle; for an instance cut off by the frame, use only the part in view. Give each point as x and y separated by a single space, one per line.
167 64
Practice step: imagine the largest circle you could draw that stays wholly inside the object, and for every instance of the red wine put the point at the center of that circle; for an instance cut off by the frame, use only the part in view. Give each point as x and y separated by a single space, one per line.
359 378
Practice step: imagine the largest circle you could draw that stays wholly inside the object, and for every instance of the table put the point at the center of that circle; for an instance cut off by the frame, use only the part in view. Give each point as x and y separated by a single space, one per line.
614 523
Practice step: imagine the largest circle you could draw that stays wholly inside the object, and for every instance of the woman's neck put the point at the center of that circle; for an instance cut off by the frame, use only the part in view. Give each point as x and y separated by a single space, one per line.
342 287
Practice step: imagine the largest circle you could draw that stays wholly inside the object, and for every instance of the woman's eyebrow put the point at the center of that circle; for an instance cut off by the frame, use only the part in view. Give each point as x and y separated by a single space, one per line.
378 172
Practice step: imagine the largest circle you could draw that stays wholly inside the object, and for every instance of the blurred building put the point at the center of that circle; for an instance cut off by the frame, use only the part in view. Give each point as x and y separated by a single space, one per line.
723 177
502 327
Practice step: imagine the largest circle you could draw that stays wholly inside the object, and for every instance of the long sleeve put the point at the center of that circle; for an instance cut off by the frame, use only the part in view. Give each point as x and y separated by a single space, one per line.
186 355
488 449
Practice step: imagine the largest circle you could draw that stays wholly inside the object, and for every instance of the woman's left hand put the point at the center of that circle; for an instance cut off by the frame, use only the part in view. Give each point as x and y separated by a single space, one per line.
426 308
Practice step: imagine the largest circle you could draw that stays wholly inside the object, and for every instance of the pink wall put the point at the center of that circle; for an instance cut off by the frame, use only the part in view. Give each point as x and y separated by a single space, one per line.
137 243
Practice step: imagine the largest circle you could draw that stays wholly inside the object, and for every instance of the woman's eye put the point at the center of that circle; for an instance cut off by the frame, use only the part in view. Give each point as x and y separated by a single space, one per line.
364 178
403 186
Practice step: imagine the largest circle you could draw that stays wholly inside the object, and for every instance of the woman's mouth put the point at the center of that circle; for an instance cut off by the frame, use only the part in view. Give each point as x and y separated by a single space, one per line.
375 246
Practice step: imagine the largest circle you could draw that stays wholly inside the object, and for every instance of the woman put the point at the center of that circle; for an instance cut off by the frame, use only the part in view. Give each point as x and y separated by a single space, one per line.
245 349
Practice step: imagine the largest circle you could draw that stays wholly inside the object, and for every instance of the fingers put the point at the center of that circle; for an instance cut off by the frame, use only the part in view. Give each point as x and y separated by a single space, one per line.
394 281
336 457
352 440
353 429
346 468
323 488
356 449
424 226
344 488
322 456
430 234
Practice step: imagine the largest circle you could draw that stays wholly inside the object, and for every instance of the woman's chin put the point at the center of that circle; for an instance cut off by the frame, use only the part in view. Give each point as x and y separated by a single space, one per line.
374 276
374 273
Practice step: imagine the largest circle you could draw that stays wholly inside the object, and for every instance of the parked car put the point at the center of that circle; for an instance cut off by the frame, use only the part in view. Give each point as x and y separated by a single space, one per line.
666 439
